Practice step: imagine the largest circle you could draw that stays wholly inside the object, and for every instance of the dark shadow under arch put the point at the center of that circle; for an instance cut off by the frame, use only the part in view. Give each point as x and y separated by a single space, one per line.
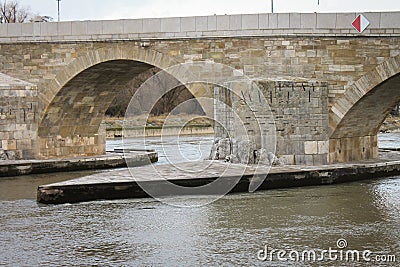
355 137
71 123
368 114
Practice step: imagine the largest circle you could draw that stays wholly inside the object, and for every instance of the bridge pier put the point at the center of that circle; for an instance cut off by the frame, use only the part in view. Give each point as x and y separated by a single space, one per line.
19 119
75 145
353 149
298 111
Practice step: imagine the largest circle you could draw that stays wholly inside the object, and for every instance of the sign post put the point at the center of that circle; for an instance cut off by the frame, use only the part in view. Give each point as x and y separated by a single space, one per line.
58 9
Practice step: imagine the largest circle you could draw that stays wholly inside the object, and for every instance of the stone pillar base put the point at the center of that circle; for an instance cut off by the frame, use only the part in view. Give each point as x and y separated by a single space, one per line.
58 147
353 149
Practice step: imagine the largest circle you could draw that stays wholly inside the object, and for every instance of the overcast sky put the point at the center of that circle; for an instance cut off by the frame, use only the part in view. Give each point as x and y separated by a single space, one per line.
123 9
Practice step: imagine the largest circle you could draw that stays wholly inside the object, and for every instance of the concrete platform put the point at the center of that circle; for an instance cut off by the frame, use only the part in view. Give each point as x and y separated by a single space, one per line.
121 185
108 161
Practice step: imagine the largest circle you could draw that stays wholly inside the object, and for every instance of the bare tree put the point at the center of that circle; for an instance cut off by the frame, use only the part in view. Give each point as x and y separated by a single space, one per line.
13 12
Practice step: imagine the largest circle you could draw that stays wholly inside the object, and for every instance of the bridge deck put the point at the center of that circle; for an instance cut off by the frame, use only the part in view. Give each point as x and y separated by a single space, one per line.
121 184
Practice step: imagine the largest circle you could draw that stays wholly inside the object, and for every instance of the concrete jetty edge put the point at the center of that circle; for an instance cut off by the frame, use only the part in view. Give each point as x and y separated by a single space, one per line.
279 177
108 161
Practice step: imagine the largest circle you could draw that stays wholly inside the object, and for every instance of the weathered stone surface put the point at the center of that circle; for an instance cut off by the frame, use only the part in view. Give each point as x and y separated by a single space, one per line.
283 24
18 112
224 149
262 157
99 187
3 155
9 167
311 147
12 155
214 150
71 82
244 152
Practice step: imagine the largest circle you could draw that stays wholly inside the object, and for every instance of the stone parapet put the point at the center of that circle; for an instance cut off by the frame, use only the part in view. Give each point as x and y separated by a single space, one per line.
242 25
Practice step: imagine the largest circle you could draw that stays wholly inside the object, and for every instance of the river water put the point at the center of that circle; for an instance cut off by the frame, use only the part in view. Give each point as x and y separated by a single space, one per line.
228 232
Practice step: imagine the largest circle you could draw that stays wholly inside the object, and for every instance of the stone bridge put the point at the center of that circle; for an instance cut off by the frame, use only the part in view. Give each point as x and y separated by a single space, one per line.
328 86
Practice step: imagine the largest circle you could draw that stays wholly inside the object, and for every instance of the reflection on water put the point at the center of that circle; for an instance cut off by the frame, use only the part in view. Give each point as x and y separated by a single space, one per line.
227 232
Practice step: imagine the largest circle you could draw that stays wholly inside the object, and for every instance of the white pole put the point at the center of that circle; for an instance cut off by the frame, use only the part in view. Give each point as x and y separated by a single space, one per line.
58 1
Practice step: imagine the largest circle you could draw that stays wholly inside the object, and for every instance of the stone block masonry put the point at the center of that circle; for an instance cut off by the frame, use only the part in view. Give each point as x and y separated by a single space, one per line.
244 25
73 70
300 109
18 113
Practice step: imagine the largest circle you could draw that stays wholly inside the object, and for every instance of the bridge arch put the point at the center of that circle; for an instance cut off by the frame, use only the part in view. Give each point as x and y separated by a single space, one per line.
356 117
76 100
98 56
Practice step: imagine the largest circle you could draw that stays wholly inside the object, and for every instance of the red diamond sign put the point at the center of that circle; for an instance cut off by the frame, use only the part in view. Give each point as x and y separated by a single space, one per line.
360 23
